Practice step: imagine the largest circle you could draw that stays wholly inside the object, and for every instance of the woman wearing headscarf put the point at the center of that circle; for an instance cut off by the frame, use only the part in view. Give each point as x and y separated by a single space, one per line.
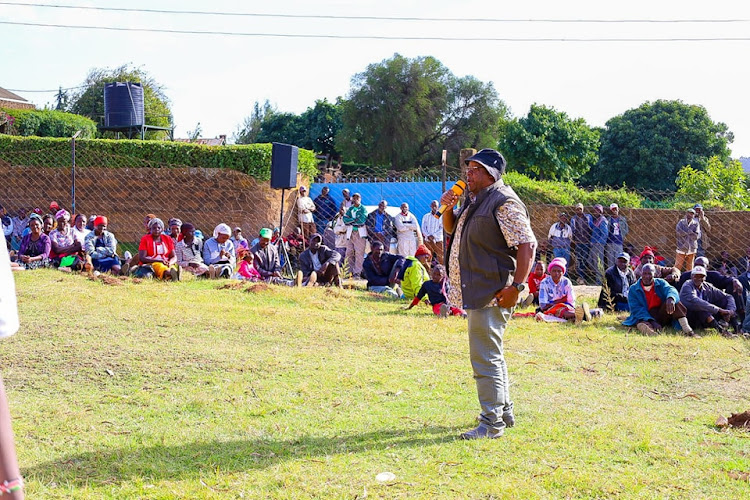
35 246
157 250
219 252
556 295
101 247
66 251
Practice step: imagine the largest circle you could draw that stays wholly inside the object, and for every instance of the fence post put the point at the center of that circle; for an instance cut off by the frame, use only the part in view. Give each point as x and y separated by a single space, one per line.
73 173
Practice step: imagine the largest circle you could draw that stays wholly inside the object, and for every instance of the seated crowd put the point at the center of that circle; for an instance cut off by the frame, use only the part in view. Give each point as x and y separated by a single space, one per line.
653 293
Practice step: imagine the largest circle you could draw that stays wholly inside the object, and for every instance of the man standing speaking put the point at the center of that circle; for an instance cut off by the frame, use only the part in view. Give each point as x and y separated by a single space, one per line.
489 258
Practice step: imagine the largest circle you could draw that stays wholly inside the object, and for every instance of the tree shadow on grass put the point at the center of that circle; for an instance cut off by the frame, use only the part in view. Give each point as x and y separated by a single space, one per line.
109 466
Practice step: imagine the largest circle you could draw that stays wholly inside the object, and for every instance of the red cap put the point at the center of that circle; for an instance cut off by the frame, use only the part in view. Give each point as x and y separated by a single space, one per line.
54 206
422 250
100 219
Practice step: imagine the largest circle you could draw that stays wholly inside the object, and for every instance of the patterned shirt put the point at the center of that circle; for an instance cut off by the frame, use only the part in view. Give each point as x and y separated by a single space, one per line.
549 291
516 227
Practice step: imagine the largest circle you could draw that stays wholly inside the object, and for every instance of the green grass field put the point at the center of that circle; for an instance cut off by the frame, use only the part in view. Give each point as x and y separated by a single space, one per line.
159 390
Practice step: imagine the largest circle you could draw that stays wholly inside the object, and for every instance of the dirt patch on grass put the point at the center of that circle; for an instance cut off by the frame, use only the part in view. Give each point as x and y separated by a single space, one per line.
232 285
257 288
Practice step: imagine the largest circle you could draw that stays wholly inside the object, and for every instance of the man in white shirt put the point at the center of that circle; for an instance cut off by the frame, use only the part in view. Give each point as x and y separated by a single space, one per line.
408 232
305 209
432 231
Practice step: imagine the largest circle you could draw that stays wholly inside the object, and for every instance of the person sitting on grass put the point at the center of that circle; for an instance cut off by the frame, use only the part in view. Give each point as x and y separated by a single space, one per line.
189 252
707 306
219 252
619 278
556 295
414 271
156 250
435 289
381 270
101 247
35 246
246 270
79 229
535 279
48 224
267 259
727 284
671 274
319 265
66 250
654 304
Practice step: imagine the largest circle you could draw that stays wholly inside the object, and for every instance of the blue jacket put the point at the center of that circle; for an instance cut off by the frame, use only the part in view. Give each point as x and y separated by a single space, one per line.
601 233
637 300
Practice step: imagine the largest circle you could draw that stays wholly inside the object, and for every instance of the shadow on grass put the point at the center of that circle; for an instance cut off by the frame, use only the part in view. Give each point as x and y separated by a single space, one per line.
112 465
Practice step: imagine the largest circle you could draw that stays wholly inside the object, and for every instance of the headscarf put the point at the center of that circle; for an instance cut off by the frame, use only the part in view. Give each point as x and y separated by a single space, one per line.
241 252
36 216
62 214
647 251
156 221
222 229
100 219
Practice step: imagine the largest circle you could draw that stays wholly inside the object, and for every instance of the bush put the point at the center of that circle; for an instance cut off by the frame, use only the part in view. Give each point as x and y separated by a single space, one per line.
568 194
49 123
251 159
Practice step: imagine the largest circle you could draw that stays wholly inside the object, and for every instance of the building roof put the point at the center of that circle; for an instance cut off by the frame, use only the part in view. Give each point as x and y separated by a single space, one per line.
7 95
218 141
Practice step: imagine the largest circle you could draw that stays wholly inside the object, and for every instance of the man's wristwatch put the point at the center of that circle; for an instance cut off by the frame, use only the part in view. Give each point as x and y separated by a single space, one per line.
519 286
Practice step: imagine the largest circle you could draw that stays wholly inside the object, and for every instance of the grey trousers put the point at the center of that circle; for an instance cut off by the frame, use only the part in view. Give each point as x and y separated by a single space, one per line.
486 328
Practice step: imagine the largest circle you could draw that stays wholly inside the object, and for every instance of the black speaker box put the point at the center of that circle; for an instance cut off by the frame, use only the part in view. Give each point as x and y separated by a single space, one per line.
284 159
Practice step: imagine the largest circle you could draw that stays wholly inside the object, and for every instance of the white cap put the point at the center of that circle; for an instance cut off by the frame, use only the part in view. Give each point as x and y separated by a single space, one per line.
613 205
698 270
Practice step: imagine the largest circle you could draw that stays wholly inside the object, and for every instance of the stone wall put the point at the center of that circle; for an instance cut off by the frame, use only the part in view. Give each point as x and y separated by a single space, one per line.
205 197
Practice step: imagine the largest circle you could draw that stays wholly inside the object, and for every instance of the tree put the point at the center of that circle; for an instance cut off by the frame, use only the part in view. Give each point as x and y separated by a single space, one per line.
281 127
547 144
89 101
250 128
402 112
320 125
722 183
647 146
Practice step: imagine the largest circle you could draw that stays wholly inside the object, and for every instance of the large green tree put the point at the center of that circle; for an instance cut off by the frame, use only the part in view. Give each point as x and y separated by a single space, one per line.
646 147
547 144
402 112
89 100
721 184
248 132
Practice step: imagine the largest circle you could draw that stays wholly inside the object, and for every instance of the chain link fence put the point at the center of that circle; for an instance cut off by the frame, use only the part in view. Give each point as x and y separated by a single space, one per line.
125 190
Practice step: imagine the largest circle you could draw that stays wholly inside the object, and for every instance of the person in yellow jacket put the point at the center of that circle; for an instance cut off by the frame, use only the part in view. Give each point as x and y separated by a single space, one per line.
415 271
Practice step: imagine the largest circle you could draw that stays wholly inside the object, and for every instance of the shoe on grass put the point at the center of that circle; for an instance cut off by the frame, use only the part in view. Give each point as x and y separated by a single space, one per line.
445 310
509 419
482 431
174 274
646 329
528 300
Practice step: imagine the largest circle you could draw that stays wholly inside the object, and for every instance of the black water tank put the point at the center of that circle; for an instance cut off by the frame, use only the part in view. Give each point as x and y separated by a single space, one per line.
123 104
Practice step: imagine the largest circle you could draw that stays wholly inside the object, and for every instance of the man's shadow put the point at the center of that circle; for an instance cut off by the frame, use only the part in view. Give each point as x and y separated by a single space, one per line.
187 461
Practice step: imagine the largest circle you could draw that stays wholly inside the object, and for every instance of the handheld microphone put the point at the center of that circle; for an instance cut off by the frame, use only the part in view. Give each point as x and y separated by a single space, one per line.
457 188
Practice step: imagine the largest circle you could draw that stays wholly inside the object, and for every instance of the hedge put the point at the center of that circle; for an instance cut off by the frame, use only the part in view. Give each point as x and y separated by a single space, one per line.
50 123
252 159
568 194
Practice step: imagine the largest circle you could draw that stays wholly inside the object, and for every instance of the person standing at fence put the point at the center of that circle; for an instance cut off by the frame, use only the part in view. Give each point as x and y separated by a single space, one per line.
703 241
560 236
688 231
408 232
10 475
489 258
581 225
355 219
347 201
432 231
305 209
325 209
618 230
599 235
380 225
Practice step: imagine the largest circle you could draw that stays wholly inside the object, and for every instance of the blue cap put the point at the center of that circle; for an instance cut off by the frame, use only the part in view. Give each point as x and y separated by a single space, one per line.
491 160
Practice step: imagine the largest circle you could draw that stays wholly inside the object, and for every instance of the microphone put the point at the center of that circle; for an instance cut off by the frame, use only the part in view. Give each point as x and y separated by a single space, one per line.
457 188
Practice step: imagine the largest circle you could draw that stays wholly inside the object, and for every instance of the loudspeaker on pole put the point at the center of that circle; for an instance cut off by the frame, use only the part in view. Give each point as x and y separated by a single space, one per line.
284 159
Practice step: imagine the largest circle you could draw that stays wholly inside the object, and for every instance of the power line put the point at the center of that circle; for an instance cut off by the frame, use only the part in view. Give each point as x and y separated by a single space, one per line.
47 91
378 37
370 18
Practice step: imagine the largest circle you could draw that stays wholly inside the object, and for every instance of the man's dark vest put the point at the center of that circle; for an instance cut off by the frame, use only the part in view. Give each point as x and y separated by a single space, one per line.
487 263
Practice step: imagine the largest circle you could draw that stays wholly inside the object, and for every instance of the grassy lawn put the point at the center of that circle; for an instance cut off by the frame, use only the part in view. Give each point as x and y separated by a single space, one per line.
158 390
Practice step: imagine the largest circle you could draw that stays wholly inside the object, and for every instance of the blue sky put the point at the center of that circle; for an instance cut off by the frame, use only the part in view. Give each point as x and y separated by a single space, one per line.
215 79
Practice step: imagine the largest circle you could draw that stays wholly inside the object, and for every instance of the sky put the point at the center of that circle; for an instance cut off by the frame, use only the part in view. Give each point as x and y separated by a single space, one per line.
214 79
